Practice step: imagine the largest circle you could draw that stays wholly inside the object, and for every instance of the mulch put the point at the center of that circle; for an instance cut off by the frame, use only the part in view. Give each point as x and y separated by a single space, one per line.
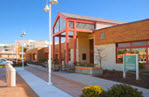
130 78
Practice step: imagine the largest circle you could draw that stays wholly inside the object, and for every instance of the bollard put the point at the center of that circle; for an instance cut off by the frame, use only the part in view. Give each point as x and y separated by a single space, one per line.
10 75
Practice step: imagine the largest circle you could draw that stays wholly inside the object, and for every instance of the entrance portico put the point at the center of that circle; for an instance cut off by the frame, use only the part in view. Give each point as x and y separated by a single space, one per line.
69 26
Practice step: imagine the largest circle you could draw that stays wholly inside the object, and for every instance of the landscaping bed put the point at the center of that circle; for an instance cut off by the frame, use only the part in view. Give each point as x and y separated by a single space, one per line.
130 78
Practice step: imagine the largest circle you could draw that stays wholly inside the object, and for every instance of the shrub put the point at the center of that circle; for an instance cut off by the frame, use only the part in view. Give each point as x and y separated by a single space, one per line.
19 64
43 59
141 66
123 90
92 91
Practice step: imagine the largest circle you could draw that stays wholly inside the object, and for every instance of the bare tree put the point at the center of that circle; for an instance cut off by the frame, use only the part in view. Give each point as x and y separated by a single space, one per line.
99 55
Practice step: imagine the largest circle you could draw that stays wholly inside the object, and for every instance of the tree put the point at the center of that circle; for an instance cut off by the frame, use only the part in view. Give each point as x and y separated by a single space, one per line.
20 49
99 55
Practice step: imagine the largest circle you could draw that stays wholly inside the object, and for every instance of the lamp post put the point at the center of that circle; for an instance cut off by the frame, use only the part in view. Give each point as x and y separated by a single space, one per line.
23 34
48 9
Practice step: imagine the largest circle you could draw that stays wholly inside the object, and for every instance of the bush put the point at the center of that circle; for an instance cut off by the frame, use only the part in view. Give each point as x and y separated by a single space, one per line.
123 90
19 64
43 59
141 66
92 91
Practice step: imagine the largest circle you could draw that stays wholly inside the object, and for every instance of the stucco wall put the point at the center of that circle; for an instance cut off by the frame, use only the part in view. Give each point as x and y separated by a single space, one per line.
99 26
109 60
83 47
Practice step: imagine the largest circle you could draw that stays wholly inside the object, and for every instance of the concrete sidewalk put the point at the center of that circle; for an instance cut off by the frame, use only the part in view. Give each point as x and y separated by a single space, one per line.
40 86
90 80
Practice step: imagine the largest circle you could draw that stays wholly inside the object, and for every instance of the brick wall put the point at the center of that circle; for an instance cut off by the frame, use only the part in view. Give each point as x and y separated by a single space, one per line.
124 33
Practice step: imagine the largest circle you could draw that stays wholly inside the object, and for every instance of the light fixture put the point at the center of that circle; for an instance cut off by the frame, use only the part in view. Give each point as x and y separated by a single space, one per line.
46 9
53 2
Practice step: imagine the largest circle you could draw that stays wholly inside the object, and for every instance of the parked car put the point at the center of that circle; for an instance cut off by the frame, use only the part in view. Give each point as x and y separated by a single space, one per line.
4 61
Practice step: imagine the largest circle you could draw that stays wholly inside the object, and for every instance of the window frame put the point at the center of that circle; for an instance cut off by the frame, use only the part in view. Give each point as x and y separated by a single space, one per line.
130 47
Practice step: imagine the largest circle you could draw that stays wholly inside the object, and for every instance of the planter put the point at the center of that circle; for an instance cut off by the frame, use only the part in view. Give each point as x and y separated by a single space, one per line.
89 70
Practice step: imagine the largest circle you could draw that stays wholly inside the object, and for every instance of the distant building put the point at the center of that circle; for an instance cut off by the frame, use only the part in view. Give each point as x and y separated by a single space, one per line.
12 51
31 44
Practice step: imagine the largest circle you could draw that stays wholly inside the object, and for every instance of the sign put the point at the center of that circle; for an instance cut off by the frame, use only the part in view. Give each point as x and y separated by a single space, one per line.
130 64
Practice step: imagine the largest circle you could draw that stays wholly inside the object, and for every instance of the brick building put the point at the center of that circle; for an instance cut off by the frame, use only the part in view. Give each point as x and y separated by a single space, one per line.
86 35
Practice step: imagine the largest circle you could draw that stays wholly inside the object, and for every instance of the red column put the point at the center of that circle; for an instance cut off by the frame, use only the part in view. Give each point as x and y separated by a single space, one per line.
67 42
53 48
74 42
59 50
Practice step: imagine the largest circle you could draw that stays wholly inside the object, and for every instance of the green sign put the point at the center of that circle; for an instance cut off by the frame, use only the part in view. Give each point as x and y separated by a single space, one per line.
130 62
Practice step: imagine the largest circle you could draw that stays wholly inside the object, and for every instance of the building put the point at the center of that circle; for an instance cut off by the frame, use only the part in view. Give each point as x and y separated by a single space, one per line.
31 44
87 36
81 30
14 51
131 38
90 34
9 51
40 53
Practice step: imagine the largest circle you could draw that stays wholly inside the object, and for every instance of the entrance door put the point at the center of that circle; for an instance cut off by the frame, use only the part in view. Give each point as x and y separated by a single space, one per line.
91 50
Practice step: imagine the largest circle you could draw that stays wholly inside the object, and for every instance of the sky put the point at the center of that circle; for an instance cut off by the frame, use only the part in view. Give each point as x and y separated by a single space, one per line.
28 15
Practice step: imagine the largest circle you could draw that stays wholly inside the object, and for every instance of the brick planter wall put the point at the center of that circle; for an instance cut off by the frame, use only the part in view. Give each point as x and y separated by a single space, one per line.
89 70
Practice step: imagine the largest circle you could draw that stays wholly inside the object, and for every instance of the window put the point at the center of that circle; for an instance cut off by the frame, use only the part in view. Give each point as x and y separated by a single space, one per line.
71 25
120 53
123 44
102 36
34 56
46 55
139 43
141 52
83 56
85 26
141 48
60 25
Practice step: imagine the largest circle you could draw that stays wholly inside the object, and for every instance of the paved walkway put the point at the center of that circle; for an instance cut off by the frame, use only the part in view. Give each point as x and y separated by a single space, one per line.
40 86
90 80
69 86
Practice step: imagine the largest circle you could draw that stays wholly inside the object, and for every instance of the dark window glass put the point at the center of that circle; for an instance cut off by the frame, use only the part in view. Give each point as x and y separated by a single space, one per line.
62 24
34 56
120 53
102 36
91 44
56 28
83 56
139 43
123 44
85 26
71 25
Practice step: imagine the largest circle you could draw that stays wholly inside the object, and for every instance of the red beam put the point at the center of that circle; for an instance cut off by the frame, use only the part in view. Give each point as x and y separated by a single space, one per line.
59 50
58 33
83 30
53 48
74 43
67 42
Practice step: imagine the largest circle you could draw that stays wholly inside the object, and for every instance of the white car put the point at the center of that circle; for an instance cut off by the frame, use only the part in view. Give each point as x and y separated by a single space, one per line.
4 61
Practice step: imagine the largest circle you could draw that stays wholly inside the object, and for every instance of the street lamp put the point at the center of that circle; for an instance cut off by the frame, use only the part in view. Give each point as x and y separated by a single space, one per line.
48 9
23 34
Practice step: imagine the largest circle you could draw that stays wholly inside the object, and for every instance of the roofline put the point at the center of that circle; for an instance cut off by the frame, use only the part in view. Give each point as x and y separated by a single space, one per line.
91 17
123 24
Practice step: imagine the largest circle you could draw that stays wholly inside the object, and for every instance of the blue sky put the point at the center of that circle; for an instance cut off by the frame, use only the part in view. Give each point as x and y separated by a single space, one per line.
16 15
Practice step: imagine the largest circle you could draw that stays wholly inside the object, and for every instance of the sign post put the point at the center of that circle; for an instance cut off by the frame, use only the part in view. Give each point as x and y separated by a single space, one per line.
130 64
